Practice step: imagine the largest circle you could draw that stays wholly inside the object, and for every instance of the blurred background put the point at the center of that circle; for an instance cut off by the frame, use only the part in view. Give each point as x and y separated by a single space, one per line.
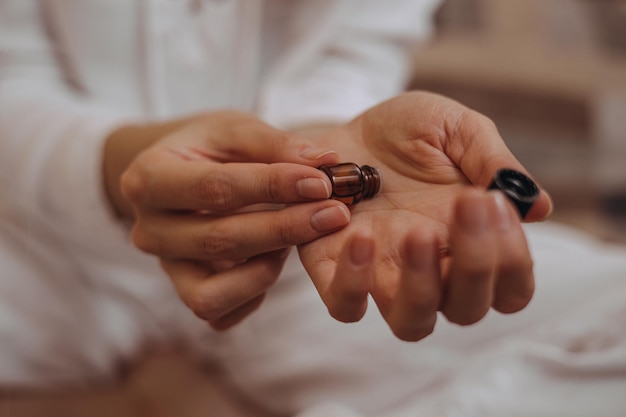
550 73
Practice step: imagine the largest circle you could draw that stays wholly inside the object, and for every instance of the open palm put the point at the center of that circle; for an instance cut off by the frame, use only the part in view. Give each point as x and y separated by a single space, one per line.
428 241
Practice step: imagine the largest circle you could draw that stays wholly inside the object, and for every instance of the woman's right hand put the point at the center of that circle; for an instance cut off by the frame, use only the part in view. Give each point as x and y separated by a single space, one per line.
211 200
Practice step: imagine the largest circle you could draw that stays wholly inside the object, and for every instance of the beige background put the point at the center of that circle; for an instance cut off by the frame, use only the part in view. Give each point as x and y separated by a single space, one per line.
552 75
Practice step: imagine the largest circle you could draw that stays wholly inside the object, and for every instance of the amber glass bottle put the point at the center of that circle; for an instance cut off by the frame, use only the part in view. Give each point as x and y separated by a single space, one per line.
352 183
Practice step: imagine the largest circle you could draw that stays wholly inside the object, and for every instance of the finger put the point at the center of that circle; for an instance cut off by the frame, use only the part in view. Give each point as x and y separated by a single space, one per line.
474 144
345 295
238 236
165 181
238 315
470 281
514 271
414 310
235 136
212 296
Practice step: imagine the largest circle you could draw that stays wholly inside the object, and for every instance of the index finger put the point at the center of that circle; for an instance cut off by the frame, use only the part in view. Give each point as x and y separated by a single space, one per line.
232 136
168 182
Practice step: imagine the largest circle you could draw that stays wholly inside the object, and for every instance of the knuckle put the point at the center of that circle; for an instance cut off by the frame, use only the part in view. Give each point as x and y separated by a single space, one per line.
282 140
216 190
143 240
220 245
133 186
288 233
236 316
204 306
285 138
274 187
265 274
285 229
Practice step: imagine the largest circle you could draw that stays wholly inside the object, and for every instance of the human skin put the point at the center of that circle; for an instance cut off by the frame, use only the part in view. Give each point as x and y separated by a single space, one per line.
428 242
433 239
192 188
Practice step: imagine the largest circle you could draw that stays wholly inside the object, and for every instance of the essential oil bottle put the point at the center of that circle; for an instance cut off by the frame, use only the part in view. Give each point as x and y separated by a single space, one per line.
352 183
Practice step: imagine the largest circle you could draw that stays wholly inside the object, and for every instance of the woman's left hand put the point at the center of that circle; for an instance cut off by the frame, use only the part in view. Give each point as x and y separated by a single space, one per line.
433 239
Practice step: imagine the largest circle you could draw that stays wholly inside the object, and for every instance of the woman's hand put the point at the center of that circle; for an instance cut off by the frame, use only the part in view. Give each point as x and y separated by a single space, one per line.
428 241
196 197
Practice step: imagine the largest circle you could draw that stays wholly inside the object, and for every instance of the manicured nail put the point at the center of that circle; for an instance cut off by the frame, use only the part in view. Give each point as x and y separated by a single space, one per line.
313 188
473 215
315 153
330 218
503 214
361 251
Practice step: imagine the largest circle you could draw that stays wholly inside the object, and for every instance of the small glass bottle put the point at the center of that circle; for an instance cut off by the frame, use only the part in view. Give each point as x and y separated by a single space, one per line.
352 183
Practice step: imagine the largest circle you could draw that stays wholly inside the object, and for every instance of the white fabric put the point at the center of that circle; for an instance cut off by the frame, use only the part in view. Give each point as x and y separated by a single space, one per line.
564 355
76 297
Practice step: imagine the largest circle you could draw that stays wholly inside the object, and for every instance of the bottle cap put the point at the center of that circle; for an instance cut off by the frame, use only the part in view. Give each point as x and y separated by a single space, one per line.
520 190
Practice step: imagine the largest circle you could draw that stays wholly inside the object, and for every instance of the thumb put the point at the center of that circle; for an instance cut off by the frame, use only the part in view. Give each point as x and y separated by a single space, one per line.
480 152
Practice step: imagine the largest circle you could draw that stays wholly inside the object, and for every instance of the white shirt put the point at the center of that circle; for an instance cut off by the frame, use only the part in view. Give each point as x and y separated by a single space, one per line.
76 295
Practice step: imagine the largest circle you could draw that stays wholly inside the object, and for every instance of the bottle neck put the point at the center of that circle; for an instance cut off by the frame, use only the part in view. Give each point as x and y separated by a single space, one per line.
371 181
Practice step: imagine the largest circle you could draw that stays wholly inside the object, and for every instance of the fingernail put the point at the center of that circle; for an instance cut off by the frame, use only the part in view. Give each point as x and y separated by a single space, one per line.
330 218
550 206
313 188
473 215
503 214
361 251
315 153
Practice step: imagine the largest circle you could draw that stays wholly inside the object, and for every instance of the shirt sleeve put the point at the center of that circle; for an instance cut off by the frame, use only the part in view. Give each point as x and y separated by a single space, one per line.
51 135
355 54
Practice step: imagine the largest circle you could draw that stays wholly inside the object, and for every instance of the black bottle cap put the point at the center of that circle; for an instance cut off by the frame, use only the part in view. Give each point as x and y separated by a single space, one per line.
521 190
